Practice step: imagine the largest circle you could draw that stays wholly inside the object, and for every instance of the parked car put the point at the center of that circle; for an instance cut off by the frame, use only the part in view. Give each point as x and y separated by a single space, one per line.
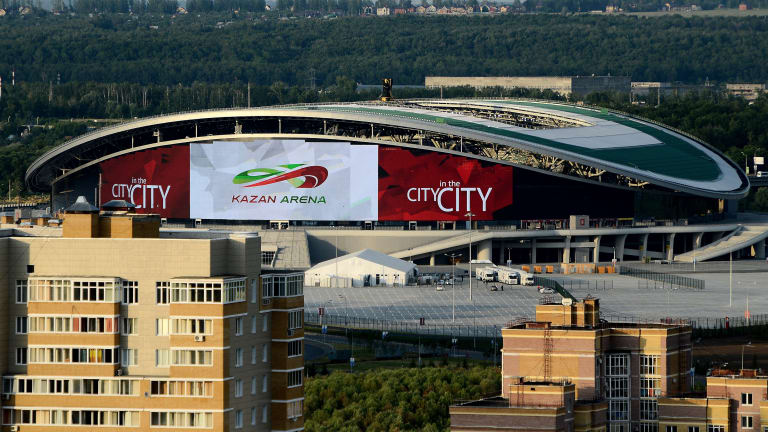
544 290
439 287
494 288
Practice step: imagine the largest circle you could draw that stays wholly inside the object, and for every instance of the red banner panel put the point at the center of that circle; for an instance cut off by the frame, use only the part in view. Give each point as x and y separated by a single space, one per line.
156 180
430 186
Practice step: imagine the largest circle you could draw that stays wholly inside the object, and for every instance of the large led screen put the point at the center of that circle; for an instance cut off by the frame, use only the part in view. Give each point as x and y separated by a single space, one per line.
313 181
427 186
155 180
283 180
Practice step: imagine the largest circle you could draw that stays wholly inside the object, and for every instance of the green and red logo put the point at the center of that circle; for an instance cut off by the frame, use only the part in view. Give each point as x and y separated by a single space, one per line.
299 175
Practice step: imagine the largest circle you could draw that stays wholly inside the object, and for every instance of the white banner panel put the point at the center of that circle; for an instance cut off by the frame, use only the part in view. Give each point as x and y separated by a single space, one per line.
283 180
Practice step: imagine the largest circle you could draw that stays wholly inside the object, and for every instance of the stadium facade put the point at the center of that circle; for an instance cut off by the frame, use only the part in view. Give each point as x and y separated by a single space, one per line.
419 166
421 160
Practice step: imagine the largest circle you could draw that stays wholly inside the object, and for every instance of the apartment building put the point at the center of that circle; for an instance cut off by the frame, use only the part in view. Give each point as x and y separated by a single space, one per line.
617 370
734 401
113 323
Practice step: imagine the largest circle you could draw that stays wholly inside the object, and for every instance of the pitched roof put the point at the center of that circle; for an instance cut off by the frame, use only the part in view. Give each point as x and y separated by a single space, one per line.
372 256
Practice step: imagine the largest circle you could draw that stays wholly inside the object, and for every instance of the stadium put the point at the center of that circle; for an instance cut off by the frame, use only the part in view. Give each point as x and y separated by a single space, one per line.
515 166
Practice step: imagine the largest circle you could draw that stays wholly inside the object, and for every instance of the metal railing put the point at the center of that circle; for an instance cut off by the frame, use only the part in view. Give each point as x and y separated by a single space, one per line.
663 280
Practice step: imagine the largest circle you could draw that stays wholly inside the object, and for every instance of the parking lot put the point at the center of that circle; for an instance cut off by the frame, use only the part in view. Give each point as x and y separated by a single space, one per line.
621 297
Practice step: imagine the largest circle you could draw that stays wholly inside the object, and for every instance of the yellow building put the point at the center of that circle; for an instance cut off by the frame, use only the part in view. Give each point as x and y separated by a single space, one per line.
116 324
617 370
735 401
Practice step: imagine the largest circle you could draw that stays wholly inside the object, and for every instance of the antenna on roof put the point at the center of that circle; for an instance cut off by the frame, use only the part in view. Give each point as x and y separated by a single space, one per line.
386 90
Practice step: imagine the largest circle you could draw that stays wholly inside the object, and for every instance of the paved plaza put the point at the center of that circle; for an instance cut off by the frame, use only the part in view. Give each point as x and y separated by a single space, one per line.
623 297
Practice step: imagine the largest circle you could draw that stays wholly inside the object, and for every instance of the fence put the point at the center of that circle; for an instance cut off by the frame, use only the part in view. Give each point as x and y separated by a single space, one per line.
486 331
414 327
587 285
555 285
664 280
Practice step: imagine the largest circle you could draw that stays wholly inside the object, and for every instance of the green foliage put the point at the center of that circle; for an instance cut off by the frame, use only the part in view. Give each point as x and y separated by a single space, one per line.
413 399
243 47
27 145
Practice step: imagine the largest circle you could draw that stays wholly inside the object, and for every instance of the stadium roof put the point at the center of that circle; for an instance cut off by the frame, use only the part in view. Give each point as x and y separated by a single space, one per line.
510 131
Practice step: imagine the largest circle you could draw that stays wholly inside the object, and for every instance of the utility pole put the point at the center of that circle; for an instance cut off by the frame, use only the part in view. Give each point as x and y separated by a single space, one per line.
453 285
249 94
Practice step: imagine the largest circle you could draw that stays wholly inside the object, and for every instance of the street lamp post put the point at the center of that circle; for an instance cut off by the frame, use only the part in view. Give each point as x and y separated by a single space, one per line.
453 286
748 345
469 215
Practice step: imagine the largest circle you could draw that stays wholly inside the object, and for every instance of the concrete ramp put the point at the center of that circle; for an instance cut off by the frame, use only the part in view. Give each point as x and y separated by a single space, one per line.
742 237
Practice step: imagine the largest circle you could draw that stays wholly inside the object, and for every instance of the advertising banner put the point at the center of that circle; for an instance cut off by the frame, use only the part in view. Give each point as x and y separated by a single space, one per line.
156 180
283 180
430 186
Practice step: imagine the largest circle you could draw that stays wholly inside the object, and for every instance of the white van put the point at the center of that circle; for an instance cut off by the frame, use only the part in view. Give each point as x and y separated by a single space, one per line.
526 279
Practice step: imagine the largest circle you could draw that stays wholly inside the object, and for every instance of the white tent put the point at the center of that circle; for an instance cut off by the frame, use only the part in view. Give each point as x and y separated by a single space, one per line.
363 268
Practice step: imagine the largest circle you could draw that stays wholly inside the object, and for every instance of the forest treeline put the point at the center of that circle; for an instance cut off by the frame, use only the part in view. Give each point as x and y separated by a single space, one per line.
154 49
411 399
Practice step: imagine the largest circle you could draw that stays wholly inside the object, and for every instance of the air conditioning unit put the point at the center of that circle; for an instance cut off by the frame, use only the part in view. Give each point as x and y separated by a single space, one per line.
14 428
6 396
199 338
291 332
119 372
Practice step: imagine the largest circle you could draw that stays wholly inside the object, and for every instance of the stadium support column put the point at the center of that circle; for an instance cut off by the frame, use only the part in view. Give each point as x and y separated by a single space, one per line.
596 253
567 250
644 247
432 259
533 251
670 246
760 250
620 241
697 238
485 250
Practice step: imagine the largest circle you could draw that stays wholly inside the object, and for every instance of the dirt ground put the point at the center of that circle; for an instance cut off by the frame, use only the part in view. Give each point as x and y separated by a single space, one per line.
715 352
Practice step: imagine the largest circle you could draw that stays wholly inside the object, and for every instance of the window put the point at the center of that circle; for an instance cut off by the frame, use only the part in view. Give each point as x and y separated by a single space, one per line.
21 356
715 428
162 326
254 355
129 357
294 348
264 413
295 319
239 326
671 428
234 291
265 322
191 326
178 388
46 290
295 378
264 383
648 409
746 422
21 324
238 388
649 364
254 416
162 292
264 354
746 398
618 387
693 429
130 292
30 268
619 410
238 357
130 326
162 357
239 419
21 291
188 357
649 387
618 365
649 427
295 409
254 323
267 257
254 385
93 291
182 419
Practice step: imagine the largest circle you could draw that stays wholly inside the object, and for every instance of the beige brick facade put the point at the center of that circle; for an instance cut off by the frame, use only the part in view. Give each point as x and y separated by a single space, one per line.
142 333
